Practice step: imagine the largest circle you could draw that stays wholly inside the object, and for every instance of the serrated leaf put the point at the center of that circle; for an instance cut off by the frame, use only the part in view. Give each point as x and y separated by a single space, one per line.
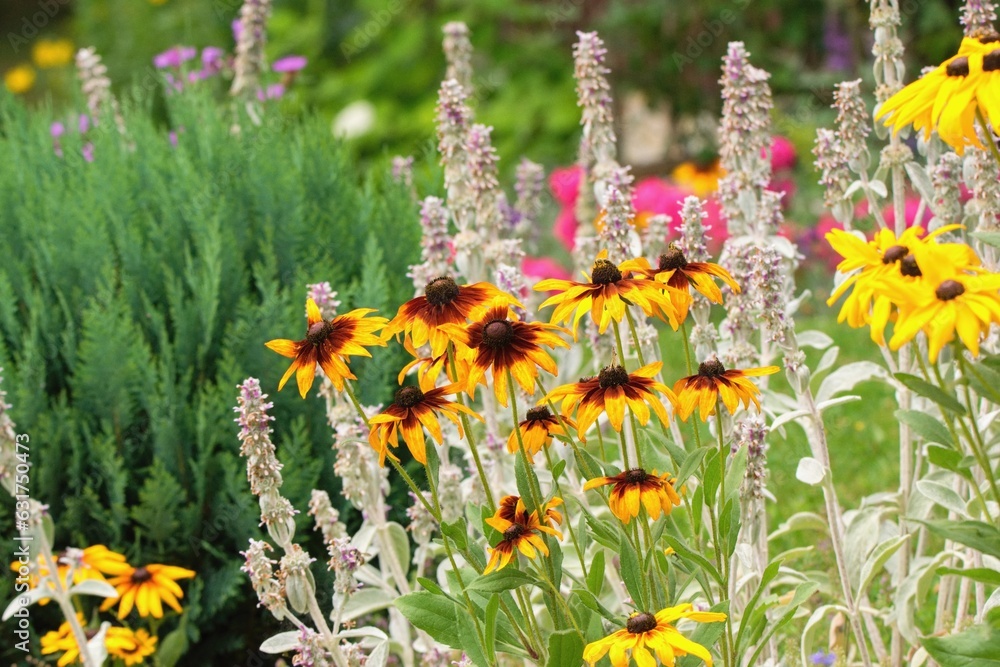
435 615
923 388
926 426
457 532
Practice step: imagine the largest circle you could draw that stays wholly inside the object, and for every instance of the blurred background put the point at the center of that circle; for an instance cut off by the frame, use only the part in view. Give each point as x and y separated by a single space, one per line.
128 386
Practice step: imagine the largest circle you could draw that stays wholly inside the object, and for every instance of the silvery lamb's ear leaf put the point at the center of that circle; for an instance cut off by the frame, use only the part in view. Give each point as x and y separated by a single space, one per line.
847 377
810 471
801 521
94 587
921 182
944 496
281 642
814 338
379 655
23 600
96 647
877 560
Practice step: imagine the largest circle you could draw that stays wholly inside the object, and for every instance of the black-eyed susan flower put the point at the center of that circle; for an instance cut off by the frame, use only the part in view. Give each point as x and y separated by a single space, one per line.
637 488
146 588
945 301
521 531
444 302
537 430
413 410
497 340
611 391
676 272
328 343
512 509
947 97
645 634
882 256
429 370
606 295
713 382
90 563
131 646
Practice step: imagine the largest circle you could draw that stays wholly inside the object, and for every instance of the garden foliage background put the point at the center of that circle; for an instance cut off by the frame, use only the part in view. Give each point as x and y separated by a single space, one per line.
136 290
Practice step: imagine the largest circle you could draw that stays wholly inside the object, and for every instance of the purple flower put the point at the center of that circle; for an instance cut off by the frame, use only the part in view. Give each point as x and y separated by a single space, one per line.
83 123
823 658
273 92
237 29
174 57
211 56
173 138
290 64
88 152
57 129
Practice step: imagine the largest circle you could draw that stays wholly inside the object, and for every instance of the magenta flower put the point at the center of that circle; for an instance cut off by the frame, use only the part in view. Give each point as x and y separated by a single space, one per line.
57 129
565 184
540 268
174 57
88 152
290 64
83 123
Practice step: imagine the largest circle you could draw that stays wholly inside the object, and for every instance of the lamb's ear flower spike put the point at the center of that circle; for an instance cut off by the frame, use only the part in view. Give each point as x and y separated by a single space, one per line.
329 343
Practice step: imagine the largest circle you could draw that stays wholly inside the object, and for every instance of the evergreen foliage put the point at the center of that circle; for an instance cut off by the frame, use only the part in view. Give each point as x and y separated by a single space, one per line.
137 290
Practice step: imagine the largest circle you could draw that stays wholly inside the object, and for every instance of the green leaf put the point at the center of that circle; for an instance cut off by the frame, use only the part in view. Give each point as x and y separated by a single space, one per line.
975 534
502 580
631 573
734 475
802 593
691 463
949 459
923 388
685 552
988 238
557 469
588 600
595 575
706 634
877 559
174 646
981 574
770 572
979 646
435 615
713 476
927 427
985 381
523 485
457 532
490 629
471 639
430 585
565 649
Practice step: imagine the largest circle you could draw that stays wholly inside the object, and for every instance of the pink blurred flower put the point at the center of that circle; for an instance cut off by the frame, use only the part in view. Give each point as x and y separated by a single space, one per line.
910 211
290 64
540 268
174 57
565 184
565 227
654 196
57 129
782 154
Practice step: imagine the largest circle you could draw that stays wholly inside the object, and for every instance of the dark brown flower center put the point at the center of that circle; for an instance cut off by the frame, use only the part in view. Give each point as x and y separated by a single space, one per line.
712 368
90 633
958 67
515 531
991 61
318 332
498 333
949 289
640 623
613 376
989 38
141 575
635 476
894 254
407 397
908 267
672 259
441 291
604 273
538 414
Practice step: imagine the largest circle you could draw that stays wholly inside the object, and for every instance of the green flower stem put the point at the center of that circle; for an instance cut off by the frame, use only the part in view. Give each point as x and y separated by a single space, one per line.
980 444
569 524
635 337
491 504
533 488
989 135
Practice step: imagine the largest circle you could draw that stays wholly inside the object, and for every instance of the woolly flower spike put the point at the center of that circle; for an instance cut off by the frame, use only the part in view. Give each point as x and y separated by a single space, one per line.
520 531
978 17
678 273
537 430
712 382
458 53
610 392
948 97
608 292
410 412
594 95
637 488
883 256
645 633
497 340
147 588
329 343
250 41
444 302
945 300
